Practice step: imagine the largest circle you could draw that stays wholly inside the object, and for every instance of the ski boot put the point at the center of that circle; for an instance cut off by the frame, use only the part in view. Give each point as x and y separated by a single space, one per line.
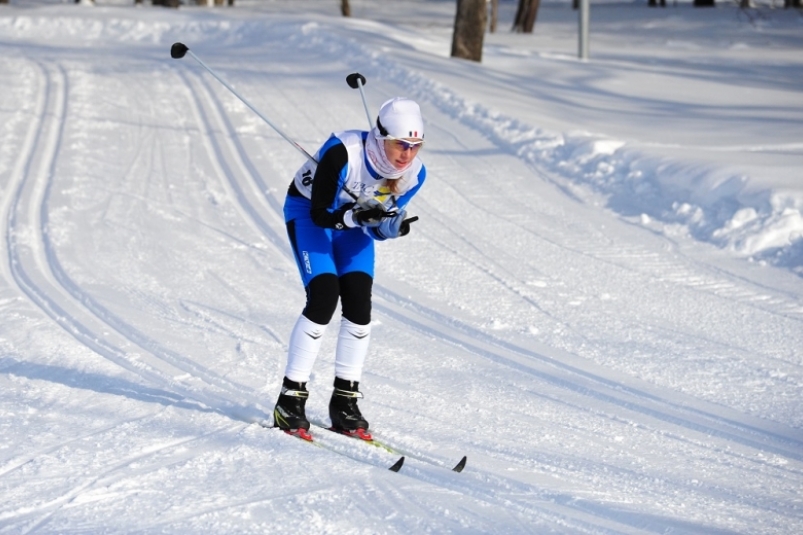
289 415
344 413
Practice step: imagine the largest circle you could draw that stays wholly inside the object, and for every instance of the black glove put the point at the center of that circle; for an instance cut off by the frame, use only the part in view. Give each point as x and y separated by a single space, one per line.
354 216
404 229
367 217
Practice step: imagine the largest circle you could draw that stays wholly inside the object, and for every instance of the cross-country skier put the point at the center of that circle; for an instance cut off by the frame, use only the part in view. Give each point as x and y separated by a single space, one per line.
356 194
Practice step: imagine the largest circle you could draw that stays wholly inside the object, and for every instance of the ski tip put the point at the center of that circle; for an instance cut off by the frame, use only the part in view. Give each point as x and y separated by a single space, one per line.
397 466
459 466
353 79
178 50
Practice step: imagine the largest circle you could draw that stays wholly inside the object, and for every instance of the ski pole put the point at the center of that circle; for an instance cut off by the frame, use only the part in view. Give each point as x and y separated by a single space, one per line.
179 50
357 81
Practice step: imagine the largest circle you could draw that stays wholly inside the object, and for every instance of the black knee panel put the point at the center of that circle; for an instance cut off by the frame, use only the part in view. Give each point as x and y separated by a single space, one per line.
355 294
322 295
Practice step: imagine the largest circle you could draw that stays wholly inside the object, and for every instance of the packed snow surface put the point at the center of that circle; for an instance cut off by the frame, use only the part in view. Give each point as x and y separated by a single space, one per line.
601 305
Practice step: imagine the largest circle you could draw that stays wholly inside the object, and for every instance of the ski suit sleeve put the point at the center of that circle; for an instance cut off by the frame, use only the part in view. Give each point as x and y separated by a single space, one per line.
326 186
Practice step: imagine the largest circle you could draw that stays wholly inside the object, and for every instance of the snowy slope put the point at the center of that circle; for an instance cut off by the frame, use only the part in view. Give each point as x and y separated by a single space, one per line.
574 310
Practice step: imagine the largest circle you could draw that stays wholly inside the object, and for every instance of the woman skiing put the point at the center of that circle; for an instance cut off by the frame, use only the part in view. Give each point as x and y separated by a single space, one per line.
335 210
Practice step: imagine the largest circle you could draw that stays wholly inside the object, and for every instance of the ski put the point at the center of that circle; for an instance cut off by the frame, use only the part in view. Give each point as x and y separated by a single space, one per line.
302 433
397 465
363 436
305 436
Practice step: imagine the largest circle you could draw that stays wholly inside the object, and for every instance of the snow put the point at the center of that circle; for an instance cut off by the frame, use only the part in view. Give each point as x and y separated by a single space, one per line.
601 305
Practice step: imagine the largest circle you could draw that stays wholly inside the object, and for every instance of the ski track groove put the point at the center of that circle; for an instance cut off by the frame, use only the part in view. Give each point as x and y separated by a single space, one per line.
571 373
637 259
493 265
21 168
37 272
18 463
207 314
213 124
484 255
526 500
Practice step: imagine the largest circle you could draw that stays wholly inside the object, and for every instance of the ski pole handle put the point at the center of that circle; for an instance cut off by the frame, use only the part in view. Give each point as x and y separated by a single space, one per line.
357 81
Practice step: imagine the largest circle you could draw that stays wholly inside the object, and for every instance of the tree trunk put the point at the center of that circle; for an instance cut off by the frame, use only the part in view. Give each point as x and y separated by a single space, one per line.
792 3
704 3
469 29
166 3
494 15
345 8
526 13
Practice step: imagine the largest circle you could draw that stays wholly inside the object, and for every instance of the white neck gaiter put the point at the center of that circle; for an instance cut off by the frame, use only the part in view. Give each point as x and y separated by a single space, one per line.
375 149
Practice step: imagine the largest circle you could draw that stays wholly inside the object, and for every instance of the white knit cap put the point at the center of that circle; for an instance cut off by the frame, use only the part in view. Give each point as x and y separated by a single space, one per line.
400 118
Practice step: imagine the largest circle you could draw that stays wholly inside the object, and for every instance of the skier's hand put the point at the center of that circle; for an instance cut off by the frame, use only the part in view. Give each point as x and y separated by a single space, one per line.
368 217
393 226
354 215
